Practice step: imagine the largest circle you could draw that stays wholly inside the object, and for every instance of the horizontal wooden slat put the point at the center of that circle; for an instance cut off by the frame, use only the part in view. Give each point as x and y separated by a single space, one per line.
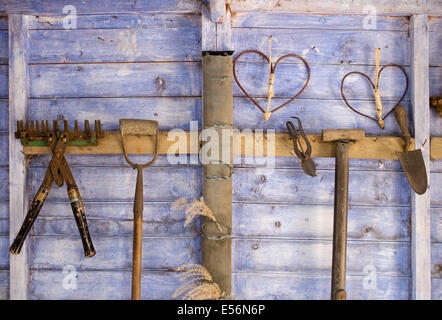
436 148
115 45
109 285
3 22
436 289
4 154
4 227
324 46
117 21
436 194
316 222
268 185
116 80
169 112
112 253
4 253
88 7
315 115
435 81
338 7
368 148
434 41
285 286
436 260
436 224
4 81
307 257
4 284
160 184
114 219
4 184
4 46
4 116
4 210
311 21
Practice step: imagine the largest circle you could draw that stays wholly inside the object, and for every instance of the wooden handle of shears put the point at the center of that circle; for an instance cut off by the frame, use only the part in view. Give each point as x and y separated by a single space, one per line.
34 210
78 210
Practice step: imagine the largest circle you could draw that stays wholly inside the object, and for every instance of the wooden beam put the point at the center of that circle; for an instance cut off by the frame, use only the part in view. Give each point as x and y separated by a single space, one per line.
383 7
18 105
420 204
436 148
367 148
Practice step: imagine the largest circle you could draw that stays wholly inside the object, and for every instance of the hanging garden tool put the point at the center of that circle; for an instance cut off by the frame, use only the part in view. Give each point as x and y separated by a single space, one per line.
379 112
342 138
139 128
412 162
58 170
307 163
272 68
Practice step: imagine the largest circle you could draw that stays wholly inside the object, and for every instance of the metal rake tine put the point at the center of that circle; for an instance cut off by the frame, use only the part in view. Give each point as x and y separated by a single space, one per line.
98 127
32 126
76 129
65 126
37 127
55 126
27 127
87 128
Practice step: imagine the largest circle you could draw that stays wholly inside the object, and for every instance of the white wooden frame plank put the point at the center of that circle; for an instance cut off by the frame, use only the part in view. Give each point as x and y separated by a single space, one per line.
382 7
216 27
420 204
18 102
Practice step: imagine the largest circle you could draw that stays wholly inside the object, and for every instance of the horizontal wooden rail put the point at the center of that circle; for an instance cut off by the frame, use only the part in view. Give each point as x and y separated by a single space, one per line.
379 147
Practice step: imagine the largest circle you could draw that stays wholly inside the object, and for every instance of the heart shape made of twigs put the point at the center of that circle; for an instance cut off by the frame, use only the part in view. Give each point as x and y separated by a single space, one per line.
272 71
373 86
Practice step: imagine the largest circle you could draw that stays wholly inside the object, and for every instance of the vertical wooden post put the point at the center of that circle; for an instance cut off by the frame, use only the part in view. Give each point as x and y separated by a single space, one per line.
420 204
18 105
216 245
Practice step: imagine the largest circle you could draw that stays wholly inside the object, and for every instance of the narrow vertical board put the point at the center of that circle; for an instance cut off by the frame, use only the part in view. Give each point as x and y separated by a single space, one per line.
18 104
420 217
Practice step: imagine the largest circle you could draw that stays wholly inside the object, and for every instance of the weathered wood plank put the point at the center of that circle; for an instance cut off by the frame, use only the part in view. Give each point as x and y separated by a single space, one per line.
109 285
435 194
114 219
18 106
315 115
168 111
4 253
436 147
436 224
435 43
368 148
115 45
436 260
4 284
286 286
3 81
435 81
267 185
116 80
436 288
314 257
4 210
4 117
4 227
160 184
3 22
112 253
118 21
312 21
4 149
316 222
109 6
324 46
338 7
325 82
420 204
4 47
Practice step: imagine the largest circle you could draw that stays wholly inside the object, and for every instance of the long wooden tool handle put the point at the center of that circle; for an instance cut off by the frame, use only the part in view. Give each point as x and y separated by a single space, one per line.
138 236
340 222
80 219
401 118
37 204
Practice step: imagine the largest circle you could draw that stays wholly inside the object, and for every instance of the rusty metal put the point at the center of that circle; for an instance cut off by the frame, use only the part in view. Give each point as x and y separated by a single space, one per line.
412 162
138 128
436 102
58 171
374 87
38 133
299 140
271 79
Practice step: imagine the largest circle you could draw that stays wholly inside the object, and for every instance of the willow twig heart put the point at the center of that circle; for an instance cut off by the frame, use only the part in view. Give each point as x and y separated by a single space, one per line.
271 80
381 119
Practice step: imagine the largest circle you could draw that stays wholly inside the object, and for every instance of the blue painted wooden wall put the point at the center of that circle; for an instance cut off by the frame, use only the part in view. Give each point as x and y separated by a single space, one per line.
435 39
4 159
148 66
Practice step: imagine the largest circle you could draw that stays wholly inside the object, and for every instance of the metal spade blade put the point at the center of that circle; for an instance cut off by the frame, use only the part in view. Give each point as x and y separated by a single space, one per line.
414 167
